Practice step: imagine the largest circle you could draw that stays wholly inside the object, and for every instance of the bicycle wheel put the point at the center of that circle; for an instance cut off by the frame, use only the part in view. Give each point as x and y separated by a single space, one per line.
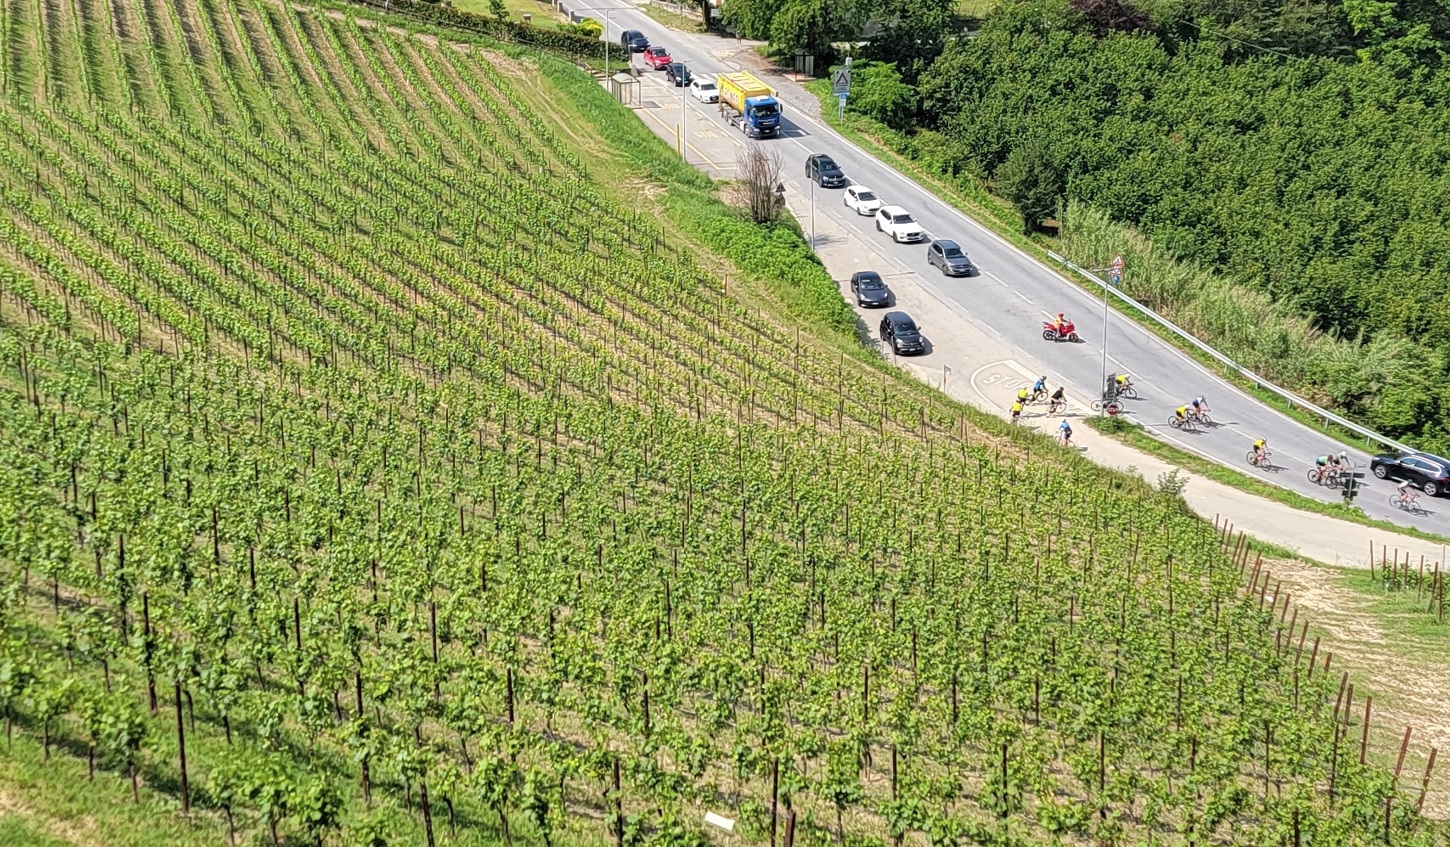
1252 458
1175 422
1397 503
1204 419
1129 392
1315 477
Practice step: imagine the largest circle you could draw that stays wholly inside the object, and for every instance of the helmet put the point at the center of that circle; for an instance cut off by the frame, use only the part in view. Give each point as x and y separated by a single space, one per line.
1343 455
1043 377
1059 315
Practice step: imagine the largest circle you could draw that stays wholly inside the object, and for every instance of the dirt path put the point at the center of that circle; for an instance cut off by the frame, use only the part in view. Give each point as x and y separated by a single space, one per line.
1393 653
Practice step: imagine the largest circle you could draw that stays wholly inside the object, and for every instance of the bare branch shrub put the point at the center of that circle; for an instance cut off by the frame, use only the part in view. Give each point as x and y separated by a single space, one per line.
761 182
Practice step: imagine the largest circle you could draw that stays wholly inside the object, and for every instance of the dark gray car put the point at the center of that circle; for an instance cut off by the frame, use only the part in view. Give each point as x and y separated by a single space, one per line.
869 290
902 333
824 171
950 257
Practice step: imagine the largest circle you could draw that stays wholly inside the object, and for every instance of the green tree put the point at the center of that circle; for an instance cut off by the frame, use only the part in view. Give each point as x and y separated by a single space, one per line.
879 93
1033 182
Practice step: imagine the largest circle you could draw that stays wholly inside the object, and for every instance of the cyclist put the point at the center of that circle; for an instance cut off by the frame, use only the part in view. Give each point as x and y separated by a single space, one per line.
1406 492
1059 395
1261 450
1200 406
1321 464
1123 381
1342 461
1064 431
1022 395
1040 384
1182 413
1016 410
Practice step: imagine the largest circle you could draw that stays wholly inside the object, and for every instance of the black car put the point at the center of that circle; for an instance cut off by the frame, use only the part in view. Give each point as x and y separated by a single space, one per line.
1430 473
824 171
902 333
950 257
677 74
634 41
869 289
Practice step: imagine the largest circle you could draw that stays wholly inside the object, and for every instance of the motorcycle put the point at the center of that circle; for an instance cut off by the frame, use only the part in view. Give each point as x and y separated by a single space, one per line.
1050 332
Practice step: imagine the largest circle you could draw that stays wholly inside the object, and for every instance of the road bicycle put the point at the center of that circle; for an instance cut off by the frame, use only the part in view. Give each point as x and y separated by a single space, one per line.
1112 407
1185 424
1055 406
1128 391
1038 396
1409 502
1201 418
1324 476
1254 459
1064 438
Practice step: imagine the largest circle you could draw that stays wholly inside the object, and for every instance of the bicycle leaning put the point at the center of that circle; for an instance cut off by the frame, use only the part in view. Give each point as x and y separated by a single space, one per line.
1260 461
1409 502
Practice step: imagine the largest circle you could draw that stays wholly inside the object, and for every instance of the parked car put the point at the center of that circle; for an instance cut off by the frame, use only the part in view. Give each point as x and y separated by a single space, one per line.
899 224
677 74
1423 470
634 41
704 90
824 171
862 199
902 333
869 290
657 58
950 257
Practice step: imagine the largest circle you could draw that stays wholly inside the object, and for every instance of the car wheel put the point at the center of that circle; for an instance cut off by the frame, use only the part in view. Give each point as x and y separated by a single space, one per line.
1431 489
1380 471
878 226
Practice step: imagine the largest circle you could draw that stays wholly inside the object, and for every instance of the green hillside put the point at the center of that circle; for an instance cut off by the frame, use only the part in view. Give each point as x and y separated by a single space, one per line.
375 474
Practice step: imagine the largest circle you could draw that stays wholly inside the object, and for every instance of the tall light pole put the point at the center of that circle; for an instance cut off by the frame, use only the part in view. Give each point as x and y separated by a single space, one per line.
1115 277
813 215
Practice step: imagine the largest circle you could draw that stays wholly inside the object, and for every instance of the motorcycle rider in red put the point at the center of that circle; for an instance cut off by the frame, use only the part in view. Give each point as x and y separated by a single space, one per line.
1060 324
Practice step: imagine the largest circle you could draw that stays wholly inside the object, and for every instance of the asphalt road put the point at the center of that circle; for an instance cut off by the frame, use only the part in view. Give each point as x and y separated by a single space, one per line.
1012 294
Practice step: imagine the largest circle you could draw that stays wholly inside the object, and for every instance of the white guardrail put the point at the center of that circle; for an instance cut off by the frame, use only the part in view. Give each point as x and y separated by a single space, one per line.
1293 399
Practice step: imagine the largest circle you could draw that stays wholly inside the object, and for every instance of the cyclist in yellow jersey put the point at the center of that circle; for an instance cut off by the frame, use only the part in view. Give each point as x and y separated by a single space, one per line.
1182 413
1261 448
1016 410
1022 395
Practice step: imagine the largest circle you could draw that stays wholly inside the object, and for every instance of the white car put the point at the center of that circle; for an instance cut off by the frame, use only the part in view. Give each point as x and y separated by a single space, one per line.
899 224
862 199
704 90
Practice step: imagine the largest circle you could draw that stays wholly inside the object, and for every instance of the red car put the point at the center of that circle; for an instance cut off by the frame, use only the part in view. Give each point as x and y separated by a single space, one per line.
657 57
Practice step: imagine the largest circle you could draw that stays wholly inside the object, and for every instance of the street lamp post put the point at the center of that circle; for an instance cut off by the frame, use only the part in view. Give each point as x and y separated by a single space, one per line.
813 215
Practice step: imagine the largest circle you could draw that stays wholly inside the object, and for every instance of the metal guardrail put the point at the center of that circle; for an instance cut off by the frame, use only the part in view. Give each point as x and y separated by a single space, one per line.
1292 398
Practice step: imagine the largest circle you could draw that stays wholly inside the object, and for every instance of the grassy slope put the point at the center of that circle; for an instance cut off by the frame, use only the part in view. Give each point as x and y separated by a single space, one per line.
410 409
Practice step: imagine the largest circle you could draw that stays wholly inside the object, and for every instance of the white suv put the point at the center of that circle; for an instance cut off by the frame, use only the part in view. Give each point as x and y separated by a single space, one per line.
899 224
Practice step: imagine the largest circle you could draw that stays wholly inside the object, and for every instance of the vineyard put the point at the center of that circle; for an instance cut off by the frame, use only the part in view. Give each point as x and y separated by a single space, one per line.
374 475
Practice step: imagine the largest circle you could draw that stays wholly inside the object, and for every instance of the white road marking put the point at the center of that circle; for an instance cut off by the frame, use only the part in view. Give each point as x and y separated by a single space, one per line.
1023 296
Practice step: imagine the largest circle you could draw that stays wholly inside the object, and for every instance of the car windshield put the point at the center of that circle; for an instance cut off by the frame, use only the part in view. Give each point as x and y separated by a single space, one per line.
906 327
954 253
902 219
764 111
706 86
865 195
827 165
870 283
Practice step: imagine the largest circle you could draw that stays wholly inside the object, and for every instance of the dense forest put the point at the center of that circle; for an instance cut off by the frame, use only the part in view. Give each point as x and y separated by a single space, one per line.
1298 147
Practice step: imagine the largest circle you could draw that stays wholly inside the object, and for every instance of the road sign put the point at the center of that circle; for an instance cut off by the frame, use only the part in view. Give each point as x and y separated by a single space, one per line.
1118 262
841 82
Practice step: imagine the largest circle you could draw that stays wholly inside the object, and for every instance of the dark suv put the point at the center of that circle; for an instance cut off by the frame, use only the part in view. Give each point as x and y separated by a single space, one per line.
902 333
1424 471
824 171
634 41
